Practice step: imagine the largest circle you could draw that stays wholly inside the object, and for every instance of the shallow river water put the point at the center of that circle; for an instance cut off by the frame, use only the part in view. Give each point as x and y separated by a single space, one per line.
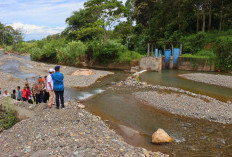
136 122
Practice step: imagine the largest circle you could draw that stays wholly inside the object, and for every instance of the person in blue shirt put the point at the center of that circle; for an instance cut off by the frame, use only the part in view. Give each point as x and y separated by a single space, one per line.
58 87
19 98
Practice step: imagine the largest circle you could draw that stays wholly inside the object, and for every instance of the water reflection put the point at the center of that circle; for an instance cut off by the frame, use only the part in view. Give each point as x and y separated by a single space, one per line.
170 78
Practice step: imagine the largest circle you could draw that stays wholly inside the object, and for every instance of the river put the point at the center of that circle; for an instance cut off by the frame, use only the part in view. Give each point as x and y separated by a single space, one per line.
136 122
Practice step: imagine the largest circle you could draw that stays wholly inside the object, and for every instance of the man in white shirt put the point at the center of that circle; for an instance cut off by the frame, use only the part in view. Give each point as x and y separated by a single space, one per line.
50 88
6 94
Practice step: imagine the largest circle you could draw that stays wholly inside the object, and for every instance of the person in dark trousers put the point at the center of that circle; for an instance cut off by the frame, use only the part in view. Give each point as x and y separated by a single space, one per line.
37 90
13 95
58 87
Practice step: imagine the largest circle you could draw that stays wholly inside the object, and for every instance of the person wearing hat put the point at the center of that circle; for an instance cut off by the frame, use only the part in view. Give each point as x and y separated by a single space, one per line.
50 88
58 87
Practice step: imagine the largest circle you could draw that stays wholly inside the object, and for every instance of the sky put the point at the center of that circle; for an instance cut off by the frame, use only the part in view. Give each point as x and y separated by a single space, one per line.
38 18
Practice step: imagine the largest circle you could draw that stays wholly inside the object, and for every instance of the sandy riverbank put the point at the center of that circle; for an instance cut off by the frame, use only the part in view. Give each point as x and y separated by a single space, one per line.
68 132
41 69
219 80
181 102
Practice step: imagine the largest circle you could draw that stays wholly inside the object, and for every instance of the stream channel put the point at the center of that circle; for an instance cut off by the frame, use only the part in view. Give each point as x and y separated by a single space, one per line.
136 121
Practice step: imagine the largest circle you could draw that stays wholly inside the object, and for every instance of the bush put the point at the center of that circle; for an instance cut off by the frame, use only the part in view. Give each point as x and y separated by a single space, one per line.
105 54
129 56
194 43
25 47
7 115
71 53
223 49
112 52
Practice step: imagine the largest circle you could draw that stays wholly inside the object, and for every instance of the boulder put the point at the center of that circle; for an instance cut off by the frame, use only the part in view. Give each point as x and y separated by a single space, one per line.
160 136
83 72
81 106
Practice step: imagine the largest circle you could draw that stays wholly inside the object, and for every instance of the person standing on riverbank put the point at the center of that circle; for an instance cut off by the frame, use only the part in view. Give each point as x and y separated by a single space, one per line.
6 94
19 98
50 88
58 87
27 83
37 90
24 93
13 95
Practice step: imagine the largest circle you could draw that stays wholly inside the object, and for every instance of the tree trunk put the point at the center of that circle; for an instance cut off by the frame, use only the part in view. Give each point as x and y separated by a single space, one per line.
210 14
203 24
221 18
197 20
179 16
105 35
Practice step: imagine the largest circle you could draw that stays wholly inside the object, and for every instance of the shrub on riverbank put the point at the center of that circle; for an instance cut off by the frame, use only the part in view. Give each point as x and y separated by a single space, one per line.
112 52
71 53
7 115
223 49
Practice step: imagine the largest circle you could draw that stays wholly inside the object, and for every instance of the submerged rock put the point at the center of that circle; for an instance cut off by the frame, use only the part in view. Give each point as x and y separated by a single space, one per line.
160 136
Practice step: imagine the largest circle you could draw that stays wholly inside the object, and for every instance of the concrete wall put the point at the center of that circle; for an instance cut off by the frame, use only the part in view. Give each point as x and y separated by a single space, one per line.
151 64
188 64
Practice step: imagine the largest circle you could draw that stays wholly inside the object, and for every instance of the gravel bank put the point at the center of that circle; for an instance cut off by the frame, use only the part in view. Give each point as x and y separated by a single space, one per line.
41 69
186 105
178 101
220 80
9 82
68 132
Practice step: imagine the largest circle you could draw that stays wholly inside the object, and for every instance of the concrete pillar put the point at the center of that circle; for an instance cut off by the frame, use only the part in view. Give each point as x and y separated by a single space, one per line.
171 62
172 50
148 49
180 49
160 63
152 49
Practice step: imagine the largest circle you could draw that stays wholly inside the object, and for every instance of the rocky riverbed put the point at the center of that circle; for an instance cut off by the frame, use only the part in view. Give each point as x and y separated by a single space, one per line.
9 82
68 132
181 102
219 80
41 69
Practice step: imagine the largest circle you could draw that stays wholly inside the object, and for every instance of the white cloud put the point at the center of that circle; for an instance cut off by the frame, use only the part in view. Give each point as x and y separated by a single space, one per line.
33 30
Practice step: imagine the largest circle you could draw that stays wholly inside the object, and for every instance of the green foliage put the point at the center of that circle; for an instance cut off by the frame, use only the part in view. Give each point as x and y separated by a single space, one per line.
24 47
9 35
128 56
112 52
8 48
7 115
193 43
223 49
203 57
46 50
71 53
105 54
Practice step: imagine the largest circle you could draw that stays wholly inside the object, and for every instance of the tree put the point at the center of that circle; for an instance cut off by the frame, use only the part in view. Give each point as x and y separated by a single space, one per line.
107 13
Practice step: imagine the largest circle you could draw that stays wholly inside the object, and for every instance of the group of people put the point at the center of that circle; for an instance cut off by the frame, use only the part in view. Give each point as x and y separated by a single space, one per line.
43 90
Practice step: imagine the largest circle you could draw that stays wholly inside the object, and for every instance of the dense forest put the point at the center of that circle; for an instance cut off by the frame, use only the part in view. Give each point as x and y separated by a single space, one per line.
108 31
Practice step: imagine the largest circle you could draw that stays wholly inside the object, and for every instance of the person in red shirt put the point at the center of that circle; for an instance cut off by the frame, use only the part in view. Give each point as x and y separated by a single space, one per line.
28 93
24 94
